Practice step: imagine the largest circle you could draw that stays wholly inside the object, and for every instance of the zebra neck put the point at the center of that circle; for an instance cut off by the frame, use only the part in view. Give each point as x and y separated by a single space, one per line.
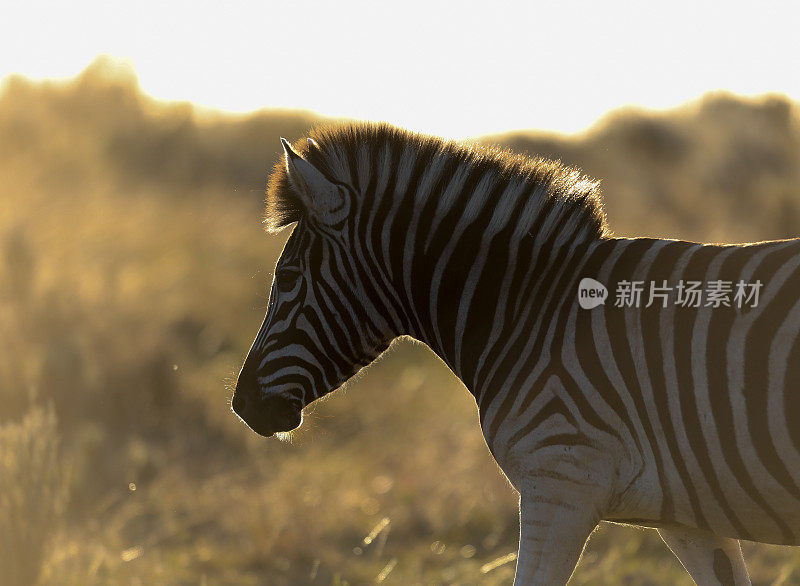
467 298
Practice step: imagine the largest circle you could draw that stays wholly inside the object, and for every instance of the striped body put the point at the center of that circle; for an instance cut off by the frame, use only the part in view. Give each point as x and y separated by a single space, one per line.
696 404
666 416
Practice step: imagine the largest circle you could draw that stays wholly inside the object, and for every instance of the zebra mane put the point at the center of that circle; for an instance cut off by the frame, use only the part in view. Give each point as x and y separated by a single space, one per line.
358 153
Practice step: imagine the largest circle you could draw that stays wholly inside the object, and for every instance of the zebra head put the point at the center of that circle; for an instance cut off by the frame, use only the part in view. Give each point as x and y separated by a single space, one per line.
314 336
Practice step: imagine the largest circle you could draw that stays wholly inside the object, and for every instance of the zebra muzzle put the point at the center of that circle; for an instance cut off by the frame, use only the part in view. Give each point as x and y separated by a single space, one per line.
269 415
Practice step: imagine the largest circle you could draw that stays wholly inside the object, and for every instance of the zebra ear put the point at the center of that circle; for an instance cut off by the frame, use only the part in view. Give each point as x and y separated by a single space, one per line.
319 196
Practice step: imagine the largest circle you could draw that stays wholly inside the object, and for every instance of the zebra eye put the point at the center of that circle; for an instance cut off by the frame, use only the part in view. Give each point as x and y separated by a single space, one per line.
286 280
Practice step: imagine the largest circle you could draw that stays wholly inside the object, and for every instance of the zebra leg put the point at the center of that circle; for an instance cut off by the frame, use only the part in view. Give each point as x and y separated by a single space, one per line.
552 536
709 559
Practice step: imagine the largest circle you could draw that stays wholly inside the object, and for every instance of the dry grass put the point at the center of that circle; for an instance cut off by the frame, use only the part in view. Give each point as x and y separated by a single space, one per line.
32 494
133 276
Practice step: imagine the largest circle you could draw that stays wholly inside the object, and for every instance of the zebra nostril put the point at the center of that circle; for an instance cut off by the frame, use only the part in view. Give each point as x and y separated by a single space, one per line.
239 404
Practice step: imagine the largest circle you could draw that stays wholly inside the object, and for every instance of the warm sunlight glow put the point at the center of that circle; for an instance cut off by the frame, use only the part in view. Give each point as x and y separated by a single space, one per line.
148 332
494 67
545 65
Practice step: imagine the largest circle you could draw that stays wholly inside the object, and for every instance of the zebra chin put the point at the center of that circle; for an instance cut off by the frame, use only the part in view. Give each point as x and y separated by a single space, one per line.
268 416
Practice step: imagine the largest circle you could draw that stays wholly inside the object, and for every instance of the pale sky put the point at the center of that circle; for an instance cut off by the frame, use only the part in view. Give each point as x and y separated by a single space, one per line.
451 68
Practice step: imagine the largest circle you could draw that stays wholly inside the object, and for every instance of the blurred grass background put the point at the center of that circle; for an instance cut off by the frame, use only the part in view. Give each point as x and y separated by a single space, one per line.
133 277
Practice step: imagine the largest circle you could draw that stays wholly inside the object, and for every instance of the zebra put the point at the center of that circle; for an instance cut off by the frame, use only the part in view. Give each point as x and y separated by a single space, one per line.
665 415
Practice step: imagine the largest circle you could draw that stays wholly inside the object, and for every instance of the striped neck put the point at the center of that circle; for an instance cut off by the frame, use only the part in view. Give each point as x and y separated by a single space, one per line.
459 242
467 274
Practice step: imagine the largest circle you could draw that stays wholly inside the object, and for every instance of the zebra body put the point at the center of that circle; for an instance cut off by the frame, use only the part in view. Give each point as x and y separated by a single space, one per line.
695 404
670 416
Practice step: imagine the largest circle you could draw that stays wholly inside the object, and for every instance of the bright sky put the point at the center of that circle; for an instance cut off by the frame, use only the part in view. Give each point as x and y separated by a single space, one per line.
452 68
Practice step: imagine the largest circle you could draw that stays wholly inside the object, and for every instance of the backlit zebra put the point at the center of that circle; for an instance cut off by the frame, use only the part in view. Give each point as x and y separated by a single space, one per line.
646 409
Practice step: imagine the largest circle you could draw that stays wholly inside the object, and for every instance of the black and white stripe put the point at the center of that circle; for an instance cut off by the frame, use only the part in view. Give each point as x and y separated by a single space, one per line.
680 418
